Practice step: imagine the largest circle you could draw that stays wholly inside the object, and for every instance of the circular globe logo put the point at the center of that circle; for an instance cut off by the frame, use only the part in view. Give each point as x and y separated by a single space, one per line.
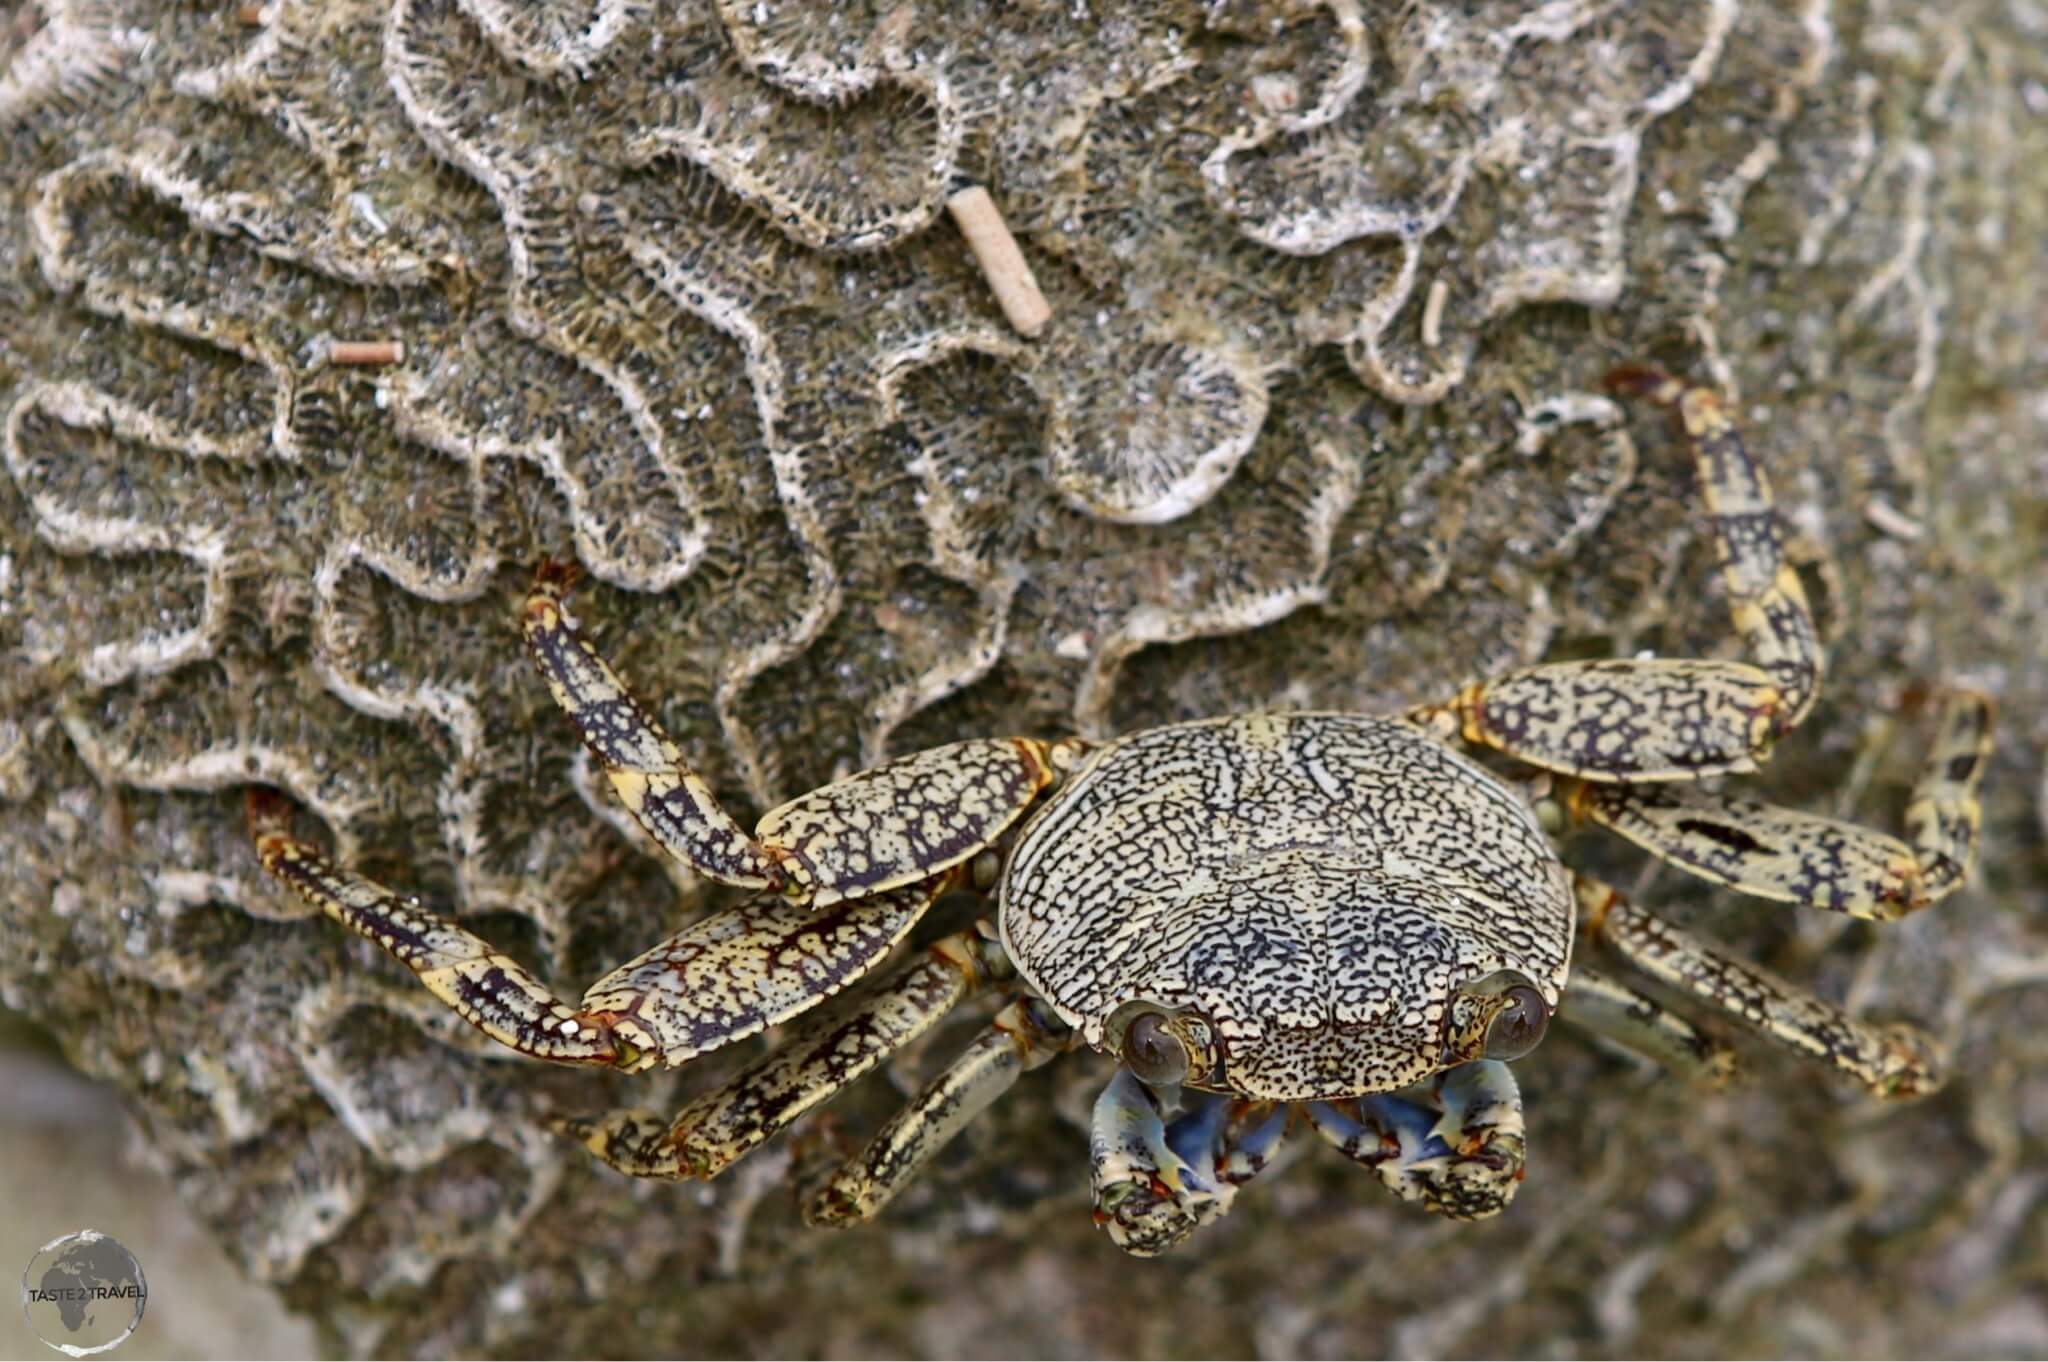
83 1294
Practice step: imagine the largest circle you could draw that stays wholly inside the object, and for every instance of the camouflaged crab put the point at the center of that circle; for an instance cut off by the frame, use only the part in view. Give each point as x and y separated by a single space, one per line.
1258 916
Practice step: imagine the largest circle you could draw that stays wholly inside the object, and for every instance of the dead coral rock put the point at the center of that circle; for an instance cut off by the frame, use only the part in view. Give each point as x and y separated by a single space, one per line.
1314 422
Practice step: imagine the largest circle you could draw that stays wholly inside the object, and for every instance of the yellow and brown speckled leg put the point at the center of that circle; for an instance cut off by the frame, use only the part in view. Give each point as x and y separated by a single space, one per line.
492 992
645 766
876 830
1779 853
1943 817
1659 719
1626 719
823 1054
1765 599
1610 1009
734 974
1890 1060
1023 1036
719 980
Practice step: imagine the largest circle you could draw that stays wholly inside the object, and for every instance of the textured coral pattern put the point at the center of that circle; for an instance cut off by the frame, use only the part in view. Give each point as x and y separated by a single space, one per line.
1315 425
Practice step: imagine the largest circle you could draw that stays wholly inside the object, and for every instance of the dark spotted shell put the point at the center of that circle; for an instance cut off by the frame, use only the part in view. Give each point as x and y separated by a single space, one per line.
1318 886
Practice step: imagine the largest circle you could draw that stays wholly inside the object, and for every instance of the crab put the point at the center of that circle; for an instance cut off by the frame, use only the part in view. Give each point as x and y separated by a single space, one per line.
1270 921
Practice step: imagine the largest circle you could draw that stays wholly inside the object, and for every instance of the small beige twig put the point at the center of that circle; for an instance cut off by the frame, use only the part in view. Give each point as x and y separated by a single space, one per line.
366 352
1433 305
1889 519
995 250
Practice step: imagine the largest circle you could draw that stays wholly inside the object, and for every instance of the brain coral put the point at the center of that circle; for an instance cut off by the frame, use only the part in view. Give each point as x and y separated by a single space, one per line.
1316 422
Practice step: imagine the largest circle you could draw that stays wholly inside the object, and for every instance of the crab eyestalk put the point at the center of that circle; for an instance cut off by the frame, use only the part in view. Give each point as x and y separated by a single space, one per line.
1501 1017
1164 1046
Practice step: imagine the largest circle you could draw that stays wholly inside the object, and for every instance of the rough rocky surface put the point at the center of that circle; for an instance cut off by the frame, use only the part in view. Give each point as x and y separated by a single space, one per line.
1316 423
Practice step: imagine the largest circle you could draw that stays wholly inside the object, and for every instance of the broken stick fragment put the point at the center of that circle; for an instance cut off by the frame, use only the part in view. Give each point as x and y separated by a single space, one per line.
366 352
995 250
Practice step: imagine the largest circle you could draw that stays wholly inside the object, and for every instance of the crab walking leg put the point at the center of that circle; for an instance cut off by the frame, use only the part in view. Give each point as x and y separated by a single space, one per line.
490 991
644 765
758 964
1942 816
1661 719
1785 854
1610 1009
721 979
1024 1036
1765 600
824 1053
1891 1060
1464 1162
1156 1182
1647 719
875 830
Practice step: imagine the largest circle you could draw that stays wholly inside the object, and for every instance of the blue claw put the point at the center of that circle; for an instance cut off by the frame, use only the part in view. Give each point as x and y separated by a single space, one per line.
1464 1161
1157 1182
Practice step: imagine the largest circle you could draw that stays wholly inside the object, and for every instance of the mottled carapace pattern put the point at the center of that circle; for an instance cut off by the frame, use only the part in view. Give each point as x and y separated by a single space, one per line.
1316 885
676 293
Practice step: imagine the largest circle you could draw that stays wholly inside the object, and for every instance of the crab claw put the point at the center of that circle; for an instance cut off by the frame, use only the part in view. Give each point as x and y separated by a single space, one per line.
1464 1162
1146 1195
1156 1183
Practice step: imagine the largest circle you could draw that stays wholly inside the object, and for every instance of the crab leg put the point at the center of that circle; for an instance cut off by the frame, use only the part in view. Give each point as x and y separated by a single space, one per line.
1624 719
1779 853
824 1053
1764 595
721 979
1464 1162
1890 1060
1611 1009
492 992
646 767
1658 719
902 821
1942 816
1156 1182
758 964
1024 1036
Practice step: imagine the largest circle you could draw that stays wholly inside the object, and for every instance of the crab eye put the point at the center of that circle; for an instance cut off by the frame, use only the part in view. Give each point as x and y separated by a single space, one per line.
1517 1028
1157 1056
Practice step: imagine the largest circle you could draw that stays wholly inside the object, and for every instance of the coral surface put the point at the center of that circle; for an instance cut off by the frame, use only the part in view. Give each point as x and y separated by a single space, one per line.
1316 423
